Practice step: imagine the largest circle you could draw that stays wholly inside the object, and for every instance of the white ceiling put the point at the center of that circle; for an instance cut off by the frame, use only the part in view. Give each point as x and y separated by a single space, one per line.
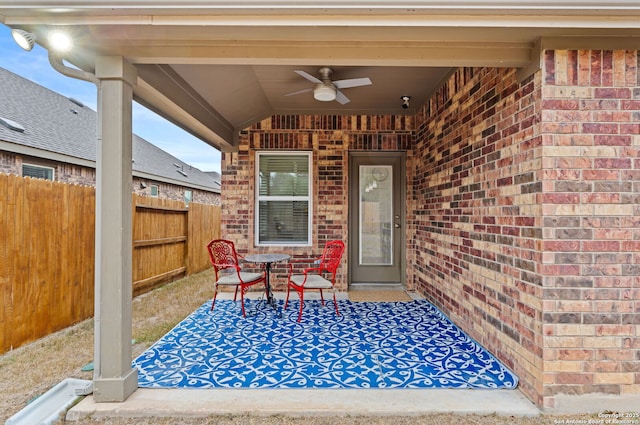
216 67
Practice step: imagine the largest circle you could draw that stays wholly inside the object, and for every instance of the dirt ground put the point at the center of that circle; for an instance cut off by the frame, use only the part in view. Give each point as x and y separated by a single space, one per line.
29 371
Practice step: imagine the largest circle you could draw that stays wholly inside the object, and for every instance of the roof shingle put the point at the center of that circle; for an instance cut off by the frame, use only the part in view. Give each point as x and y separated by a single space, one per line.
57 124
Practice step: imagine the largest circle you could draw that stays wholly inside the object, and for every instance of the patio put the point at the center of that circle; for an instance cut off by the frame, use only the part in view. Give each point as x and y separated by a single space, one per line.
166 387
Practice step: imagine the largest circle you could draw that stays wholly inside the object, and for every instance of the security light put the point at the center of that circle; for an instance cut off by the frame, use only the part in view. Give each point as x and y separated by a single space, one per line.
24 39
60 41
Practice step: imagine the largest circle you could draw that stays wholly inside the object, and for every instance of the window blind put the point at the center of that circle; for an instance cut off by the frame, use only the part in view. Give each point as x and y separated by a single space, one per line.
283 199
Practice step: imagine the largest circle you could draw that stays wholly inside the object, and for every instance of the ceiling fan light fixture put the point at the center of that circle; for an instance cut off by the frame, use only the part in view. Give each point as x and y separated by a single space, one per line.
324 93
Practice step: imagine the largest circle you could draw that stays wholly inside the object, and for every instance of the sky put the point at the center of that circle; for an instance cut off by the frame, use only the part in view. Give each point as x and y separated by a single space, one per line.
34 65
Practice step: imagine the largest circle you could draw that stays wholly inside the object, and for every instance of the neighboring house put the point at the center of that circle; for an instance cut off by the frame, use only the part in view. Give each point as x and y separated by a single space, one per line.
46 135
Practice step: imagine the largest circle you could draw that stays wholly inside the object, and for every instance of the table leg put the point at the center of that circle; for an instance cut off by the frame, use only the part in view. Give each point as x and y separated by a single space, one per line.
267 268
270 300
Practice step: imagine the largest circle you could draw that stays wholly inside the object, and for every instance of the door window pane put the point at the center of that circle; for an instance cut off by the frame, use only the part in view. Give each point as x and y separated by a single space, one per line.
376 215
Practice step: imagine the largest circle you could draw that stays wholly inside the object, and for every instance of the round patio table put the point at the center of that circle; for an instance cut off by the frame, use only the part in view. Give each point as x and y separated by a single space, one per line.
267 260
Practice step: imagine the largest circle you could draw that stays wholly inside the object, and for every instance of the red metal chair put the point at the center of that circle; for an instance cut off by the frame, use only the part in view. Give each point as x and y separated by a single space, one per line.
224 260
312 277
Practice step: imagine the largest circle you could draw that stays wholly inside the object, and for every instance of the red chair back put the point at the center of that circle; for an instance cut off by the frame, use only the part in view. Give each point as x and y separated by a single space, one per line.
331 256
222 254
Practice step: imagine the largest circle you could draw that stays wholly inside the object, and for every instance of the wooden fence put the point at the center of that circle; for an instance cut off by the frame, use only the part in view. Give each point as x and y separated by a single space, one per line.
47 234
169 240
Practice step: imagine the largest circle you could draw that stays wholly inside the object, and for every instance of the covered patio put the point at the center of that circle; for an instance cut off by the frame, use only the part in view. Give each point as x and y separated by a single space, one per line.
515 160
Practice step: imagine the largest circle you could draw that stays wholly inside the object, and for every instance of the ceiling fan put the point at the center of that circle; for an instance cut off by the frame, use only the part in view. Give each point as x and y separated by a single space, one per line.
327 90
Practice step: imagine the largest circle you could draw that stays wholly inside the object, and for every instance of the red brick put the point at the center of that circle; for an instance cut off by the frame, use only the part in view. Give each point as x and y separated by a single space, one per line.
612 93
600 128
561 246
601 175
610 140
601 246
575 355
561 104
630 105
574 378
561 198
599 105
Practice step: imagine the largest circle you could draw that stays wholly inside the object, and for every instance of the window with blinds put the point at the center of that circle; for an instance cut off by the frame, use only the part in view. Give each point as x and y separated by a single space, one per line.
283 207
37 172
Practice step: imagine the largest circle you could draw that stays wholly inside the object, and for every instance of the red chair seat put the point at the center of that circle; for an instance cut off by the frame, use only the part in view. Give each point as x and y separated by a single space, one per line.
313 281
224 259
235 279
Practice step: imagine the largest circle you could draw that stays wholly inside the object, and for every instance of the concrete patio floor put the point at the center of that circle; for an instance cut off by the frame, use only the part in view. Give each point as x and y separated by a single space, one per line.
314 402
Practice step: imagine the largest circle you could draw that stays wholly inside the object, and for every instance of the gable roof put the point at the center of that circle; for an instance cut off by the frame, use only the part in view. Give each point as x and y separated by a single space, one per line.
63 129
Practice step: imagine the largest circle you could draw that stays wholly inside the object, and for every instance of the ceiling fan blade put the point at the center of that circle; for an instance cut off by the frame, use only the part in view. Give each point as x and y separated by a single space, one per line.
298 92
353 82
341 98
307 76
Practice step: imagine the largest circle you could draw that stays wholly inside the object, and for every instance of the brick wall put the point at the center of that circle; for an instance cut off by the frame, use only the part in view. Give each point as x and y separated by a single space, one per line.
8 164
591 133
11 163
476 221
522 203
75 174
526 218
174 192
330 138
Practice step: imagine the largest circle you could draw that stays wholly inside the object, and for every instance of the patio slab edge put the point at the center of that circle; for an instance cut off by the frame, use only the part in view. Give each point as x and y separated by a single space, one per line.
302 402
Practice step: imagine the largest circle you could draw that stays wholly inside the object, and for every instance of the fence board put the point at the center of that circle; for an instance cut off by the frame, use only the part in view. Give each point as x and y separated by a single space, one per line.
47 254
20 285
204 225
6 272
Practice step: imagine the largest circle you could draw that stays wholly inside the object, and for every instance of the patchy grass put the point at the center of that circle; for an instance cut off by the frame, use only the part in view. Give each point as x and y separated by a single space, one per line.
157 312
31 370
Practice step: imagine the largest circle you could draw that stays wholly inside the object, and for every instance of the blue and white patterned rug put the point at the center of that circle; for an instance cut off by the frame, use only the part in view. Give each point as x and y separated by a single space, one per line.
371 345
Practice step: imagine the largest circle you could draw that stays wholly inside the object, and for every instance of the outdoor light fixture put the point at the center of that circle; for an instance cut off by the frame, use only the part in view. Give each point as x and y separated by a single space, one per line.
405 101
60 41
25 40
324 93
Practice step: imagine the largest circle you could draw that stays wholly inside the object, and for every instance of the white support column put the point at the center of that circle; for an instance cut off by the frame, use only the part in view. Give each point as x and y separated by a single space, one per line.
114 378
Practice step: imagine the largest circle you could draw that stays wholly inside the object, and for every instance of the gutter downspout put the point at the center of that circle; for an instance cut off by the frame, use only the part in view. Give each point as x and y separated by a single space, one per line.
56 62
78 74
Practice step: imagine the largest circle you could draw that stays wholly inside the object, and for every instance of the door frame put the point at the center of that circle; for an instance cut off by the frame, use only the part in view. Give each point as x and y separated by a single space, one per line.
400 190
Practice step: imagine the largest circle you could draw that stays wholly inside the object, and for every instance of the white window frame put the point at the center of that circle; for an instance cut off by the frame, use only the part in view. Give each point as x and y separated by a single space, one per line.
259 198
188 197
53 170
157 188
